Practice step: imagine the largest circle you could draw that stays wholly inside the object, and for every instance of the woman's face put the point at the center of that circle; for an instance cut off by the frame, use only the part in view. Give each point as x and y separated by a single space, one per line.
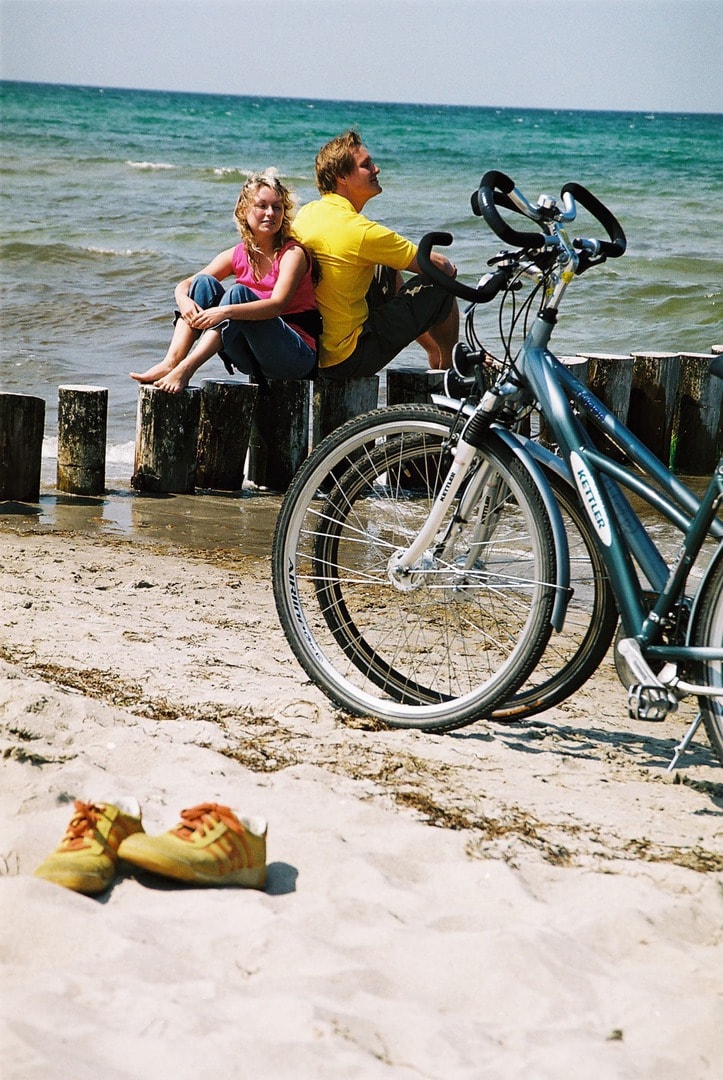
265 214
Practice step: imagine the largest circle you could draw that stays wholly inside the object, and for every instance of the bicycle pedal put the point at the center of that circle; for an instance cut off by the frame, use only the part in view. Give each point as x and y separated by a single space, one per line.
650 703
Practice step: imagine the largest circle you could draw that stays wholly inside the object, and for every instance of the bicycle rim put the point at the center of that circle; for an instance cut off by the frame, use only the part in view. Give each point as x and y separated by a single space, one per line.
573 655
469 628
708 630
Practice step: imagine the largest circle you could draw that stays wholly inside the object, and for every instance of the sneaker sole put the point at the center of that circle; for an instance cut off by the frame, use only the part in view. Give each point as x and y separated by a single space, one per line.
80 883
250 877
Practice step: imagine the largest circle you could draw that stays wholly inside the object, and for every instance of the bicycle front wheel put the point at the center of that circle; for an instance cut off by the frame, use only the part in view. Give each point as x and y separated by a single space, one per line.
708 631
442 647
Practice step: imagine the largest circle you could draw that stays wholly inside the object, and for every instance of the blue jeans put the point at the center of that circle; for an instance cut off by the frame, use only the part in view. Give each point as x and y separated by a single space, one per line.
277 349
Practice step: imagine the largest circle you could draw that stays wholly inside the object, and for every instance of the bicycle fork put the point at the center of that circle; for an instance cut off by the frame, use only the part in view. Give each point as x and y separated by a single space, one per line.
406 562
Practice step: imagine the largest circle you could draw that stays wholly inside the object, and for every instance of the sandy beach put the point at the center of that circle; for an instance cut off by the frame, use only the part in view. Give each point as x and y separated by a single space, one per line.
541 901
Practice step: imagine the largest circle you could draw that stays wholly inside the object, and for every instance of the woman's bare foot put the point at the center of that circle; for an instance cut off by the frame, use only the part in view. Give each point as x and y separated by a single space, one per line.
173 382
153 373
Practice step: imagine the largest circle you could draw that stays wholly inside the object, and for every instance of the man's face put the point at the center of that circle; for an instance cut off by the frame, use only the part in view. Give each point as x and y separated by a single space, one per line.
361 184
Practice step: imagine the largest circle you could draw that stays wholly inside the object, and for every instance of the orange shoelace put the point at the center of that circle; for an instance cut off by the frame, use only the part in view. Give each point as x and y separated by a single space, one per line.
203 817
83 822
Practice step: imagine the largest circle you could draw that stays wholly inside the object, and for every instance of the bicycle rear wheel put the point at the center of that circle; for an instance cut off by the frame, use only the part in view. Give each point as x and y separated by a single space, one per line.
573 655
708 630
472 618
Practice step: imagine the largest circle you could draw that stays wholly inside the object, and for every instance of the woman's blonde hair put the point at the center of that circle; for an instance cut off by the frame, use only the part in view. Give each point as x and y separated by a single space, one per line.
270 179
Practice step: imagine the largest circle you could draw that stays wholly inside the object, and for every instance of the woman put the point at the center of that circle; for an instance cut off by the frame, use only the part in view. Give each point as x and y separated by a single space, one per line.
267 324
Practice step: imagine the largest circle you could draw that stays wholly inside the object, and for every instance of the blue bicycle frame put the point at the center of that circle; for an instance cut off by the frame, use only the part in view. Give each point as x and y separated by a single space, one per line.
619 532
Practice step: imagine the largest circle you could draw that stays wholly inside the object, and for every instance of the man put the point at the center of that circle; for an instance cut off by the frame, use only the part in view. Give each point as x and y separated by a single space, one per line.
369 313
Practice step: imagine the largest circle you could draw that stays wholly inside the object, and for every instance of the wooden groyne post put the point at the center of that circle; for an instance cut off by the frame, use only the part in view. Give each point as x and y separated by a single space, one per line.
22 423
227 408
610 377
698 429
279 440
82 426
338 400
407 385
166 440
653 399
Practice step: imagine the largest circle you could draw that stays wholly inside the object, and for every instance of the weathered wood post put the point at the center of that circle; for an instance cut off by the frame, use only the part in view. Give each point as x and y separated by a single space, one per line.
22 423
408 385
338 400
82 426
610 377
166 440
279 440
535 425
697 431
22 426
652 400
227 407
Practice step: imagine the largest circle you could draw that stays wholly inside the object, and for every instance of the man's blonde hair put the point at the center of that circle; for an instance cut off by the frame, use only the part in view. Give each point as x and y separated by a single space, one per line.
336 159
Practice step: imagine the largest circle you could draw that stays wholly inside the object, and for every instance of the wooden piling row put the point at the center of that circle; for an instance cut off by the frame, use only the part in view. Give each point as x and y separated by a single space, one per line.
669 400
206 438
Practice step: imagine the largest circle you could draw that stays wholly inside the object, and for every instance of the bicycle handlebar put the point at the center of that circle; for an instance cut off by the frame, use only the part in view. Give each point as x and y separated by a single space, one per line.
614 248
497 189
482 294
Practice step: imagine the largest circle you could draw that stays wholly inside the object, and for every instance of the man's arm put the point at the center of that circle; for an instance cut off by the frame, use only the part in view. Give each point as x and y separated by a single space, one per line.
439 260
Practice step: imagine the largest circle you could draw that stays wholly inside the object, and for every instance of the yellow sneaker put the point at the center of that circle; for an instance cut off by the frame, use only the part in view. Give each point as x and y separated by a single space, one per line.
87 856
210 846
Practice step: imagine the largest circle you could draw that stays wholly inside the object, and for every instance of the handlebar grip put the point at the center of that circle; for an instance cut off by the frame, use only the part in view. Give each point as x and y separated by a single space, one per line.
481 295
494 187
614 248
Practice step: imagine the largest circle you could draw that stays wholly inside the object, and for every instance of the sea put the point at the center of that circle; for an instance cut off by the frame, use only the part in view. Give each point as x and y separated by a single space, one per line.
111 196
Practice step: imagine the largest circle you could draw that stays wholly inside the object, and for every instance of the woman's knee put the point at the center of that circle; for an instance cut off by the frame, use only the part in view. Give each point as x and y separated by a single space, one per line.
239 294
206 291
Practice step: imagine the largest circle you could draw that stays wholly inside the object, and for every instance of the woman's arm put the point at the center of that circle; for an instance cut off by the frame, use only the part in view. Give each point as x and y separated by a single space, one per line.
292 267
220 267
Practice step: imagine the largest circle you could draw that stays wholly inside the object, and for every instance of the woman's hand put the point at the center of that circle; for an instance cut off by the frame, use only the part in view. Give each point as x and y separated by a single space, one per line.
205 320
188 308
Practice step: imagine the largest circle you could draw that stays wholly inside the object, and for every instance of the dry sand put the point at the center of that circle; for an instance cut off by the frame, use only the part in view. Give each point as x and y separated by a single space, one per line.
541 902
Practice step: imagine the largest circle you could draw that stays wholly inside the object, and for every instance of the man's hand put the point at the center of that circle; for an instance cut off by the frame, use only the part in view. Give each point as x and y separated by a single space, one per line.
443 263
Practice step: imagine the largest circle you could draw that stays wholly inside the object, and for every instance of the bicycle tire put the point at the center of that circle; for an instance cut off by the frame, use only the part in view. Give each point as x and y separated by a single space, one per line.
573 655
440 655
708 631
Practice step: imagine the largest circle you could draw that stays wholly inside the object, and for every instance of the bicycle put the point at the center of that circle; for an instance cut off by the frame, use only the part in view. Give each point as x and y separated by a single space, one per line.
437 565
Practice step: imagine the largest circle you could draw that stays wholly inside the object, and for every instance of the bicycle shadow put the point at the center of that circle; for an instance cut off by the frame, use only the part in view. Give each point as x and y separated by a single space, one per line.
645 749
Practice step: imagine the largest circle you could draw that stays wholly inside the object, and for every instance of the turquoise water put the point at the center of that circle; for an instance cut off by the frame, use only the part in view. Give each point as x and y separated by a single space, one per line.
109 197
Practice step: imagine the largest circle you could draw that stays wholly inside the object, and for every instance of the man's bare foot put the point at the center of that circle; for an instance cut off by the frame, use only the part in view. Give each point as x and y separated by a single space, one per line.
153 373
436 361
436 357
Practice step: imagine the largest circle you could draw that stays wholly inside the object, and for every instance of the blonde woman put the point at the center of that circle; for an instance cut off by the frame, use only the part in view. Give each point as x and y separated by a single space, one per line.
266 324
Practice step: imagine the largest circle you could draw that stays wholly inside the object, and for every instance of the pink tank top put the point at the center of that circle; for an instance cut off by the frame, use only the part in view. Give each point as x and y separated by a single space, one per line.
304 298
